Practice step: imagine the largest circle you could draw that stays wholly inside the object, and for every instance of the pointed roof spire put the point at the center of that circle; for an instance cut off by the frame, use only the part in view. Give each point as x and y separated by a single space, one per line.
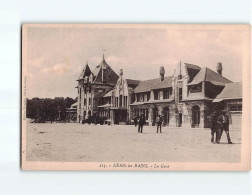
85 72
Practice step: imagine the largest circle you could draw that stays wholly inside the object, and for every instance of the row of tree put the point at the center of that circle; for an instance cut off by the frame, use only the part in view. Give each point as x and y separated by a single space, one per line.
46 109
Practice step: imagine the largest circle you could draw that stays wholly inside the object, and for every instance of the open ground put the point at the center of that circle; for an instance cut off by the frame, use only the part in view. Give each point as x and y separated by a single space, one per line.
74 142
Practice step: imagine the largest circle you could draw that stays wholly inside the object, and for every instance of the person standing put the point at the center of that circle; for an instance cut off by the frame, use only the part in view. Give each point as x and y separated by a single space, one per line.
159 123
214 127
141 123
224 126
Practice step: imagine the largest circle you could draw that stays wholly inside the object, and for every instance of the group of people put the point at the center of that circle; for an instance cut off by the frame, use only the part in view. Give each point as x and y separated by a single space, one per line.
142 121
219 123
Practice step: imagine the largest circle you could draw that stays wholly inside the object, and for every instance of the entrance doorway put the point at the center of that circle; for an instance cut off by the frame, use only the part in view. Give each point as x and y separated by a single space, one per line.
195 116
180 120
166 116
84 115
155 115
120 117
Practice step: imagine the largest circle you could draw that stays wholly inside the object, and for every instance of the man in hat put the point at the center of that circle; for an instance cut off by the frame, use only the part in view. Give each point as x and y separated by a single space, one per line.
224 125
141 123
159 123
214 126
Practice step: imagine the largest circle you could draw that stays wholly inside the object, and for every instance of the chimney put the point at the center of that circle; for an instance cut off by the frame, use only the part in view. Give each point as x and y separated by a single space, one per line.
219 68
121 72
180 74
162 73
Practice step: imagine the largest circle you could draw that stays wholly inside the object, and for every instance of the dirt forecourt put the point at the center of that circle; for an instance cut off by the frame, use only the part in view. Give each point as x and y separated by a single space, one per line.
74 142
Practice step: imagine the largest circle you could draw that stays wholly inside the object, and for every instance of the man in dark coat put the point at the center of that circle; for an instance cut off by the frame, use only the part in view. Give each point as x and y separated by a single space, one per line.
141 123
214 126
159 123
224 125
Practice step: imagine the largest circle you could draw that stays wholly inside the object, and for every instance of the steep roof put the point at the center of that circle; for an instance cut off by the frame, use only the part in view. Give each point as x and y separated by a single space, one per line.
192 70
206 74
167 82
85 72
109 75
192 66
132 82
109 94
146 85
231 91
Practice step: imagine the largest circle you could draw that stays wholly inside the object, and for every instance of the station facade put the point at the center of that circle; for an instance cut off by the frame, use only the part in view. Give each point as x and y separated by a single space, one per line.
183 100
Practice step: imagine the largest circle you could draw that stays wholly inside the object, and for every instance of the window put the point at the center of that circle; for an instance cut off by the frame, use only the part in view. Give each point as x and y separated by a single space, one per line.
85 90
165 94
125 101
120 101
89 90
80 93
180 94
116 101
132 98
156 95
89 101
195 88
235 107
148 96
138 97
85 102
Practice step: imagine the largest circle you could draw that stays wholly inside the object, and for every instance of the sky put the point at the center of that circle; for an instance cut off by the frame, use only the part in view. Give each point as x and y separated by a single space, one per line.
56 56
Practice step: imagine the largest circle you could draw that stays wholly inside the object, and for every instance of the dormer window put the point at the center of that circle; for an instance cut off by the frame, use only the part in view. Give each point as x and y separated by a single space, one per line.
156 95
166 94
196 88
138 97
148 96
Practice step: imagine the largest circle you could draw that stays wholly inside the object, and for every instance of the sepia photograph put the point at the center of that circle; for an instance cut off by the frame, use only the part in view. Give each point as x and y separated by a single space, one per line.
136 97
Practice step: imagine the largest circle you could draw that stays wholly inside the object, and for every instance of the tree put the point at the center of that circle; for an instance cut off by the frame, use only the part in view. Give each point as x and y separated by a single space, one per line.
47 109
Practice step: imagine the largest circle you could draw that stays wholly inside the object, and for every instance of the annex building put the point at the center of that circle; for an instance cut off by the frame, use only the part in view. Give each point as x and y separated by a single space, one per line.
185 100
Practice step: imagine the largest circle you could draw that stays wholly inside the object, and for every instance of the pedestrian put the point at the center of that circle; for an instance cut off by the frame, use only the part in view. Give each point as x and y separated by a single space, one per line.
135 121
224 126
159 123
214 126
141 123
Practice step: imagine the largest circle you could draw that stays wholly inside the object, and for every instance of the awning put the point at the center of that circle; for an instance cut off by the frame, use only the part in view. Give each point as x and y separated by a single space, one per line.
104 106
137 103
221 99
118 108
217 100
159 101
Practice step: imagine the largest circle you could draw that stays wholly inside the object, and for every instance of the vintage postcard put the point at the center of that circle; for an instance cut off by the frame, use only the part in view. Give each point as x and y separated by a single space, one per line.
136 97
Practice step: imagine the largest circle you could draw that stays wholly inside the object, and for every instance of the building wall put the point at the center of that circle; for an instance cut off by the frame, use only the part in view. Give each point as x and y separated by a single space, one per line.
92 100
235 115
176 107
